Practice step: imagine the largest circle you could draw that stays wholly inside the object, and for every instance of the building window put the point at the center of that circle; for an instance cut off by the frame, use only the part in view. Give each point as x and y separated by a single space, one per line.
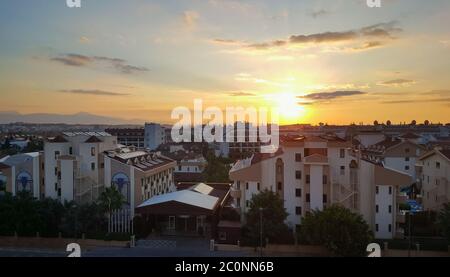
324 179
376 227
342 153
70 151
238 185
438 165
308 198
298 157
238 202
59 192
376 208
102 165
247 203
407 150
342 170
377 189
56 186
390 190
298 210
407 167
298 175
325 200
57 153
92 151
308 179
92 166
390 228
390 209
407 159
259 186
56 171
298 192
280 186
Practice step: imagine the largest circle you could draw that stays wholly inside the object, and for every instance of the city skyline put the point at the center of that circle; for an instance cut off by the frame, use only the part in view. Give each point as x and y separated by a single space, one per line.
336 62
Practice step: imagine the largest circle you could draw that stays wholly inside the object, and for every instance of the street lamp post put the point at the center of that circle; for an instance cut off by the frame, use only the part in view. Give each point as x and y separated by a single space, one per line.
261 230
75 226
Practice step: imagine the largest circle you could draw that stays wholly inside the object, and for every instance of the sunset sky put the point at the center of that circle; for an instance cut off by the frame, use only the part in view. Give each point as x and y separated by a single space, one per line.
333 61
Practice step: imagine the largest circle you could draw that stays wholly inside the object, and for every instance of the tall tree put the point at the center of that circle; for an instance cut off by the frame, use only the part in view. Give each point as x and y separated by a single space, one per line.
267 208
444 220
111 199
338 229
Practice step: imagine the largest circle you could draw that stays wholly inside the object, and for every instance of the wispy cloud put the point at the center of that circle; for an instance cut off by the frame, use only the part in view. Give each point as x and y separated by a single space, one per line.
190 19
374 36
331 95
93 92
78 60
410 101
241 94
318 13
397 83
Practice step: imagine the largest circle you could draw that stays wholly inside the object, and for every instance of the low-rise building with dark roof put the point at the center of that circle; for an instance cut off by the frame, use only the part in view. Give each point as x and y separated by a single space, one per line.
193 209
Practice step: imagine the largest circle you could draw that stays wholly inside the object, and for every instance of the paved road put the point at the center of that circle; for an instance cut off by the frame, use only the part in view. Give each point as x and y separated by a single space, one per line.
177 248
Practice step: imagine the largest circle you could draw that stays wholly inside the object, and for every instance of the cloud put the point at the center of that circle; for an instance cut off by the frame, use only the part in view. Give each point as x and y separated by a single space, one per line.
84 40
397 83
331 95
73 60
318 13
93 92
373 33
226 41
368 45
436 100
78 60
441 92
190 19
241 94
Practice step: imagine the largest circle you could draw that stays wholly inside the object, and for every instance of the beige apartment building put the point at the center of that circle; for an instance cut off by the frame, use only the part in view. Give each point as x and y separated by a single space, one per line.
434 171
78 167
312 173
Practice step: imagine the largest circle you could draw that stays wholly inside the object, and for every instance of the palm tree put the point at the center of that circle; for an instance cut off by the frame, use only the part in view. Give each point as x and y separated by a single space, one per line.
111 199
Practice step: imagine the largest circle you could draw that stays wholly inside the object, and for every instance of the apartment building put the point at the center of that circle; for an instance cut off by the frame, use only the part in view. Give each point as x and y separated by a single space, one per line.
22 172
129 136
397 153
78 167
73 164
190 165
434 171
155 135
311 173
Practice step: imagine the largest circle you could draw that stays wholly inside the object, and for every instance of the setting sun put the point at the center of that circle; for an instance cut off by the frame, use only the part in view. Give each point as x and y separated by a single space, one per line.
287 103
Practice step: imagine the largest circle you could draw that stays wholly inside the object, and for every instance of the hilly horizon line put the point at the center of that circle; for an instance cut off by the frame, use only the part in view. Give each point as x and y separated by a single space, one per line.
80 118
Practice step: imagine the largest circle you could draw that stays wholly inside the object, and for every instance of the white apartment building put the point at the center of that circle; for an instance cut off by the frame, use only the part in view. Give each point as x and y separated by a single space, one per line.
154 136
73 164
314 172
434 171
398 154
22 172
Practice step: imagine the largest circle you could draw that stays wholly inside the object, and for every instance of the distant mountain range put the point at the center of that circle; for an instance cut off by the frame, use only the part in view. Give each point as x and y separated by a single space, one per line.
78 118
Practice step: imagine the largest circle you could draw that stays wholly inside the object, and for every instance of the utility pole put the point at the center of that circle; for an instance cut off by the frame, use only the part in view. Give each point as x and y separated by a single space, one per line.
261 231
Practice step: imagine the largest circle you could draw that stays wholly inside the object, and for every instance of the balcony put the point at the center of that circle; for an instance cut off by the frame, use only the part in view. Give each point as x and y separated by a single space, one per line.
401 199
235 193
